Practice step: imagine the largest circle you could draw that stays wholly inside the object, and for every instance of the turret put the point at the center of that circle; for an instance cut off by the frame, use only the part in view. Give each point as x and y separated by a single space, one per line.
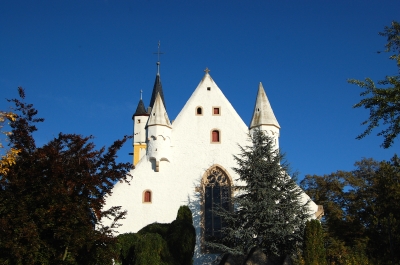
264 118
139 118
158 134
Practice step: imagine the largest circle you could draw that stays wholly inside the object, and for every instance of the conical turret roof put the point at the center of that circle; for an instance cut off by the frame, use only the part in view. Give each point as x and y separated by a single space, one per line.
158 115
263 114
157 89
140 110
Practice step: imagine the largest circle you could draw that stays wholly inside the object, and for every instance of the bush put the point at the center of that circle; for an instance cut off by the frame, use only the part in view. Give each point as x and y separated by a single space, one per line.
157 228
181 241
164 244
185 214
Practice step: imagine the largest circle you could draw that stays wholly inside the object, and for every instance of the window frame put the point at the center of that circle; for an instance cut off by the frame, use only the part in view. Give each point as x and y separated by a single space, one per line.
196 111
213 110
226 182
212 136
150 196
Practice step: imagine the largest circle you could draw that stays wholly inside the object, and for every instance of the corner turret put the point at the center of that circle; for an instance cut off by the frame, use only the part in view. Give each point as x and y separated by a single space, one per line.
139 118
263 117
158 134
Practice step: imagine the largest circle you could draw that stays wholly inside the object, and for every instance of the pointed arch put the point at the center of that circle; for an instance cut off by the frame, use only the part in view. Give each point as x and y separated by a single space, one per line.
216 189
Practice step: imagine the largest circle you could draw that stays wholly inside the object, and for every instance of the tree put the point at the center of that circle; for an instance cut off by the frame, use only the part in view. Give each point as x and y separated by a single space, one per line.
361 212
52 198
269 213
383 102
314 250
8 158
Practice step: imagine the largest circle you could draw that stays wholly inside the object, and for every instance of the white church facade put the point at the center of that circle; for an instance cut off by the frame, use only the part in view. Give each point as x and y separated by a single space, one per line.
190 161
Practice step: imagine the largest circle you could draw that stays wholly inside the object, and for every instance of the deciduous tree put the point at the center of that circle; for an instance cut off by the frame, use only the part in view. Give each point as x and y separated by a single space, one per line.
7 157
51 199
383 101
361 212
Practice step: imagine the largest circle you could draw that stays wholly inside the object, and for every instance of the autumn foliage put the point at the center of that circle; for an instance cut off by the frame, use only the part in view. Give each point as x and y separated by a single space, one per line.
52 198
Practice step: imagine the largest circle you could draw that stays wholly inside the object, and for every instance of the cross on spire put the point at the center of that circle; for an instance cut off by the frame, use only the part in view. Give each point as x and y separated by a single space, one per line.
158 57
141 91
207 70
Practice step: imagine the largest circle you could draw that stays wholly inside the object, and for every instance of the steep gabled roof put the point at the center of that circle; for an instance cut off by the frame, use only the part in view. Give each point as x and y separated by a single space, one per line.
263 114
158 115
157 89
208 95
140 110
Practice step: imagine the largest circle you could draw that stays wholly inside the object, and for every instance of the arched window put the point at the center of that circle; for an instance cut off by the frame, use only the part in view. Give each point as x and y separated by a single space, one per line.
215 136
199 111
216 194
147 196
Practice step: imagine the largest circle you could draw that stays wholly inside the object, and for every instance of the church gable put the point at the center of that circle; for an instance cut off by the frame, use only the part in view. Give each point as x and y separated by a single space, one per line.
208 118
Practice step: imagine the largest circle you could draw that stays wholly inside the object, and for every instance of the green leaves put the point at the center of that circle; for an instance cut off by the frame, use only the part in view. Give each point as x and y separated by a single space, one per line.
361 212
383 102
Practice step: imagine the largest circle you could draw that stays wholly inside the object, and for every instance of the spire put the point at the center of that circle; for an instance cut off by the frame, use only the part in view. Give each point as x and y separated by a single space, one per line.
263 114
158 115
140 110
158 61
157 88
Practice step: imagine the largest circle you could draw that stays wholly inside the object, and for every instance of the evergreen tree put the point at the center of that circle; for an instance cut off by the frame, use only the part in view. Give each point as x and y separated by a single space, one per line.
269 213
52 197
314 250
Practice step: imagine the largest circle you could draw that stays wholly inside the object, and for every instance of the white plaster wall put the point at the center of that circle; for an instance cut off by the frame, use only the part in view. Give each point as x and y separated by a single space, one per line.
139 132
159 142
192 153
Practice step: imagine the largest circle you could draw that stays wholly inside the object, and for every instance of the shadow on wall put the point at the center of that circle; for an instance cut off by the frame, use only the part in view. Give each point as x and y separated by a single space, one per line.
194 205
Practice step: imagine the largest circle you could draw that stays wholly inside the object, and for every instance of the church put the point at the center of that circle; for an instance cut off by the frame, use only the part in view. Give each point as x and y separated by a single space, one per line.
189 161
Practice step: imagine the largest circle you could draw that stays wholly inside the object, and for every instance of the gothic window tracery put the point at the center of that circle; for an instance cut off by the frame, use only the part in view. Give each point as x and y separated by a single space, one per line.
216 194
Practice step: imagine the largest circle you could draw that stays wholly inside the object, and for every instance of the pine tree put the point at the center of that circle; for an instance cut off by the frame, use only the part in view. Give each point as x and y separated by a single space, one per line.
269 213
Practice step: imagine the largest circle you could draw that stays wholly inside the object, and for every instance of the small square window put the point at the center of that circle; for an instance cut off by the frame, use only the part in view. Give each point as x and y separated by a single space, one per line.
216 111
138 121
208 88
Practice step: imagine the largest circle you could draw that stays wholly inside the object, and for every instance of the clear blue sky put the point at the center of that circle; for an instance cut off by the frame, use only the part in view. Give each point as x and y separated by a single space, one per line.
83 64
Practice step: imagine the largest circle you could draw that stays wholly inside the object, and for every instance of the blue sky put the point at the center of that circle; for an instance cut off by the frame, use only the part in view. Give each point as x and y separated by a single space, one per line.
83 64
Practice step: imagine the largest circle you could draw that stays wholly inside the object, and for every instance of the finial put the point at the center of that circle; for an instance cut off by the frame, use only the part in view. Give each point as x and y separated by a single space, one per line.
141 91
158 55
207 70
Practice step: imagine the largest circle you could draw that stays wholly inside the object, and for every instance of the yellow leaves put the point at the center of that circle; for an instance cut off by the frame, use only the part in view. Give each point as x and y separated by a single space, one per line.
9 158
7 116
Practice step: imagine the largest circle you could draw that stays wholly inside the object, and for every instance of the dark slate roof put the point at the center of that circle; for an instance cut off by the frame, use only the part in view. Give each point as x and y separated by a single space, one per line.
140 110
157 89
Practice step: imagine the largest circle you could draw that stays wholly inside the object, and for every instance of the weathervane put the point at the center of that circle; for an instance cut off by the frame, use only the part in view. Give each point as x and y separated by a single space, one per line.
141 91
158 55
